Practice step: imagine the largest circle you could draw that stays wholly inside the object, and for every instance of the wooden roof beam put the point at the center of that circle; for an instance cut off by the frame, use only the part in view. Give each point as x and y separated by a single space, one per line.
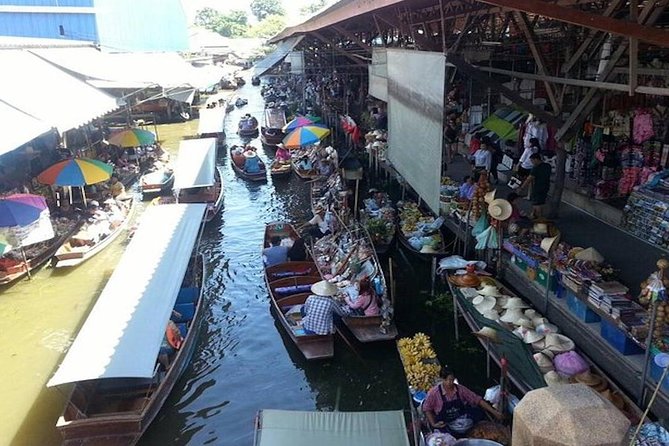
337 49
587 20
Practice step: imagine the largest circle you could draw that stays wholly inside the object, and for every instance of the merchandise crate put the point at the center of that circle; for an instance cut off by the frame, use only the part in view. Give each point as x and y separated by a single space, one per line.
580 309
617 338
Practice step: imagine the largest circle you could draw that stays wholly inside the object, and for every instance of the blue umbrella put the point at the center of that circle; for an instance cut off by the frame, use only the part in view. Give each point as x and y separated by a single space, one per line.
20 209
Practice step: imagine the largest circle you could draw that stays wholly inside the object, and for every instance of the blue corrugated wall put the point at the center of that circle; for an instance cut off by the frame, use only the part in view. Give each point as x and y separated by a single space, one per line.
76 26
47 2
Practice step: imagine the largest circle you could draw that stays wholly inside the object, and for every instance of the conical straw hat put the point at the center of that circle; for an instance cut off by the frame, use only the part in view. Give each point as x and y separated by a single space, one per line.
324 288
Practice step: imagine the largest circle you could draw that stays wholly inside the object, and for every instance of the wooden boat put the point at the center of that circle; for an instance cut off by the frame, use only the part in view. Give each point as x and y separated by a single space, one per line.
440 251
359 248
240 102
12 274
310 174
212 124
69 255
271 133
247 127
289 284
212 196
239 170
115 405
157 182
382 230
280 169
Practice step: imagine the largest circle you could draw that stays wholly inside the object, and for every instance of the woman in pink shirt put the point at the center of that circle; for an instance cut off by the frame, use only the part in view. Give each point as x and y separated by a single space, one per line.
366 303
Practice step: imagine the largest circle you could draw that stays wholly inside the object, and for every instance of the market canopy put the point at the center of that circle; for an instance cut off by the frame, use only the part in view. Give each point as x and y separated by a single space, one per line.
122 335
282 49
211 121
196 163
297 428
24 128
49 94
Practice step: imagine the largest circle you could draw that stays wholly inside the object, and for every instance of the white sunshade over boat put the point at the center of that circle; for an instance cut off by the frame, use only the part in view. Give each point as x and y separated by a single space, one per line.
211 121
23 128
282 49
296 428
122 335
196 163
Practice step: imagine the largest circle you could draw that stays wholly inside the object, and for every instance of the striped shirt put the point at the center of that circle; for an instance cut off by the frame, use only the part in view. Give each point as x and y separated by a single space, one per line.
319 312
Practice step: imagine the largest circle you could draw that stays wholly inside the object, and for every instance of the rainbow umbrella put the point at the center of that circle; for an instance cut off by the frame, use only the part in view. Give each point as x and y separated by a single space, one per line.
132 138
20 209
295 123
304 136
76 172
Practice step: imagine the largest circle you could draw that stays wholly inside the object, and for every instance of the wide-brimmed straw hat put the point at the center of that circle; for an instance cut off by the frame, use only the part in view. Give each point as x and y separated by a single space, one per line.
531 336
511 315
489 290
492 315
544 362
500 209
547 328
487 333
250 154
558 343
590 255
548 243
324 288
531 313
539 320
553 378
591 380
540 228
515 303
490 196
524 322
488 281
484 303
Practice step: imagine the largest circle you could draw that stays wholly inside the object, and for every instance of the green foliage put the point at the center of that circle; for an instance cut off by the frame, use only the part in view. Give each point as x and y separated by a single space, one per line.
232 24
265 8
441 303
270 27
313 7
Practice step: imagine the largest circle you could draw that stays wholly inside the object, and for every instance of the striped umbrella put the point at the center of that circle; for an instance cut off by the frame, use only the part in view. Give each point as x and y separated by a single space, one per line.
304 136
132 138
76 172
295 123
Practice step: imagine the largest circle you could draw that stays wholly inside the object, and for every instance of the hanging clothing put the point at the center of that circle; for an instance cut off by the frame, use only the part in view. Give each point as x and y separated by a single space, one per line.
643 127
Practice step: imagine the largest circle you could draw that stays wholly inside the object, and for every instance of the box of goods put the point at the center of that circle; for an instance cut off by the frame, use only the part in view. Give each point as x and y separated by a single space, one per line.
542 279
580 309
656 371
618 339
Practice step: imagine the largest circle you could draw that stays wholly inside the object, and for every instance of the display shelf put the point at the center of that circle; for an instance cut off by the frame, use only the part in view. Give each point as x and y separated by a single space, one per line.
625 370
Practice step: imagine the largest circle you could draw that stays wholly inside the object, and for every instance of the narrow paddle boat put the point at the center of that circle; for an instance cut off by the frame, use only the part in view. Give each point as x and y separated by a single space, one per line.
241 161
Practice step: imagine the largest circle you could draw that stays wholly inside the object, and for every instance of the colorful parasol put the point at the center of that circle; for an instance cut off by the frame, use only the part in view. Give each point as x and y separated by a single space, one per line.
303 136
76 172
297 122
132 138
20 209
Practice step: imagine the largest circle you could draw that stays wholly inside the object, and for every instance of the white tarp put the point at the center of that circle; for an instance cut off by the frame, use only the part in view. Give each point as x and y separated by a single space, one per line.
23 128
38 231
415 119
282 49
48 93
297 428
378 74
196 163
211 121
122 335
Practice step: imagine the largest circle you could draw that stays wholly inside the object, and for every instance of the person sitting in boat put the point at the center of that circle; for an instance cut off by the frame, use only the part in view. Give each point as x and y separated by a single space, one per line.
318 227
320 309
363 300
252 162
305 163
116 188
275 253
238 156
282 155
172 341
325 168
297 252
447 402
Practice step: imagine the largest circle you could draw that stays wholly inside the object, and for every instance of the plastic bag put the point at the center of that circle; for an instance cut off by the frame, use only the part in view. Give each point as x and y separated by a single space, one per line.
457 262
480 225
482 238
416 243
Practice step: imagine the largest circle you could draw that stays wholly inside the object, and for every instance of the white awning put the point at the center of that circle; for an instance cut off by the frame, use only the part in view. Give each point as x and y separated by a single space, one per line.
196 163
48 93
122 335
211 121
23 128
282 49
297 428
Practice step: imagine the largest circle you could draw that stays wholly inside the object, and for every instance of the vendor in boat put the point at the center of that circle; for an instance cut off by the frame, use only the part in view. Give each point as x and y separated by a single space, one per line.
325 168
275 253
363 300
282 155
298 252
238 156
116 188
172 341
317 226
320 308
467 188
305 163
447 402
251 162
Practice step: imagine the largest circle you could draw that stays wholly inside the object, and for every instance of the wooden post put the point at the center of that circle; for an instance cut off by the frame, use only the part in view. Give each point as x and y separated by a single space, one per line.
355 210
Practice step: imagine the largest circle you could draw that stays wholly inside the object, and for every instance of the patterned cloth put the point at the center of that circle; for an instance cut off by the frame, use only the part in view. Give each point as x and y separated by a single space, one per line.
319 312
434 402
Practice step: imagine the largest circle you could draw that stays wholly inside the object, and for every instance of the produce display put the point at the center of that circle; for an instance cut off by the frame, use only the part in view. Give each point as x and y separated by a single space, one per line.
420 362
479 205
420 229
654 290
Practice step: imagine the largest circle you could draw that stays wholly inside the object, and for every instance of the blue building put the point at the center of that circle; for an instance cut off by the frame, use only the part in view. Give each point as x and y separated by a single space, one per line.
115 25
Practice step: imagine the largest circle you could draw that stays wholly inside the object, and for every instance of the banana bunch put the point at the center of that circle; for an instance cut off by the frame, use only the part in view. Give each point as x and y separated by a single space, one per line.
419 359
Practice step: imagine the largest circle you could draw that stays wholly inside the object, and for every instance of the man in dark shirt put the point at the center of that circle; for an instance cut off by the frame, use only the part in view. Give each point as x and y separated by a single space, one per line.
540 179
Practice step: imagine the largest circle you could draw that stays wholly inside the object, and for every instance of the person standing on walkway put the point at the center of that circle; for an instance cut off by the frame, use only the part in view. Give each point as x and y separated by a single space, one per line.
525 163
540 180
483 158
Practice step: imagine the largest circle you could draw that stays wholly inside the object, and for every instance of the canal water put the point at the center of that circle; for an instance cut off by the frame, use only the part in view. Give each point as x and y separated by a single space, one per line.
244 362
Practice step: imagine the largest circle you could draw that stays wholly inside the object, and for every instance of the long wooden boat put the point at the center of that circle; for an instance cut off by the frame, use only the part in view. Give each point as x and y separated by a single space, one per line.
258 176
440 251
114 405
212 196
311 174
247 130
280 169
352 244
271 133
157 182
16 272
70 256
383 242
289 284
